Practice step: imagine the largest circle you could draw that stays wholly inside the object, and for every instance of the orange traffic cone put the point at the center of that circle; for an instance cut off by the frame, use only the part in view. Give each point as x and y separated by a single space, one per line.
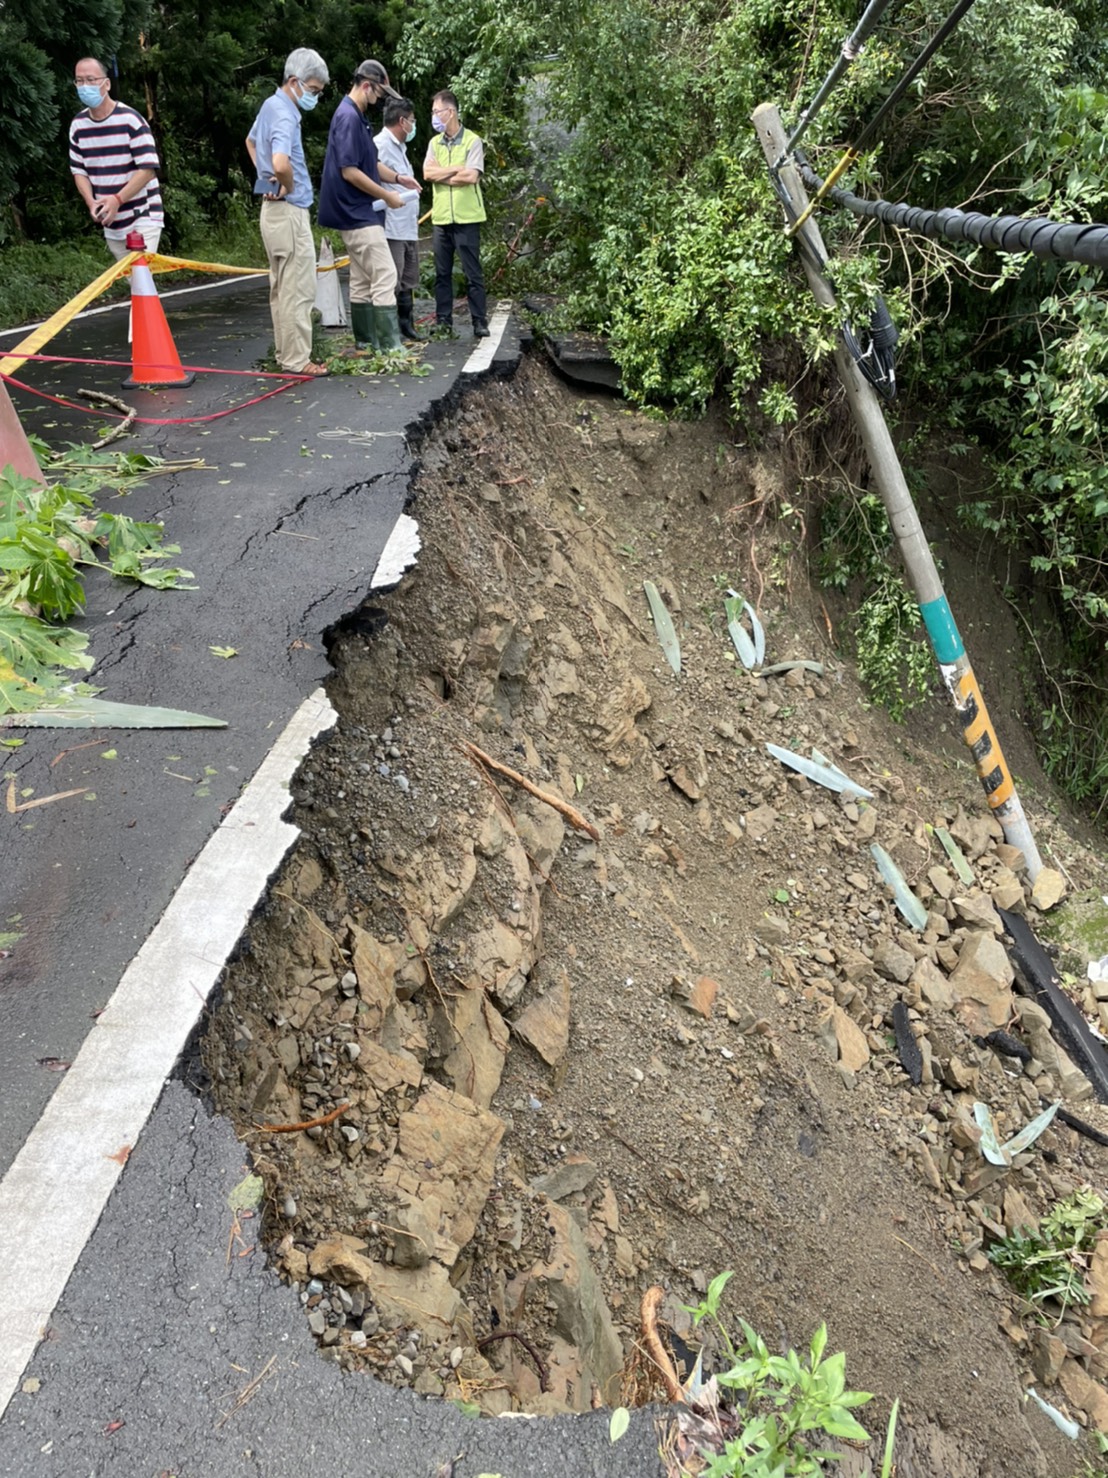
15 449
154 357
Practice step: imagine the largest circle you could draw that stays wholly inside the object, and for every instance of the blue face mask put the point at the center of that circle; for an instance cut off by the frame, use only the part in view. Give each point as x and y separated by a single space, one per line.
437 124
306 99
90 94
410 135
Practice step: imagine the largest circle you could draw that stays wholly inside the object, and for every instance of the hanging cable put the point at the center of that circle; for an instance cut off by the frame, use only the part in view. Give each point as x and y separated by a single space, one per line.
907 77
1085 242
851 51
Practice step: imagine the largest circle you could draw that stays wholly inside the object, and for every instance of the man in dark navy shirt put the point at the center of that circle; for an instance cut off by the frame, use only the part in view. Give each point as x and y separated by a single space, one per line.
353 199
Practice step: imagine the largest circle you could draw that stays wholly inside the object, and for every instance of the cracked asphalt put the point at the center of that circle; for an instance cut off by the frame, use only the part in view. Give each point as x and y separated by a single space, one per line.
170 1353
283 535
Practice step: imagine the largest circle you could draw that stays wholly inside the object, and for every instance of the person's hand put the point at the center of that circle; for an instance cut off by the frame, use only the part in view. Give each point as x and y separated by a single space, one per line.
408 181
279 191
393 200
105 209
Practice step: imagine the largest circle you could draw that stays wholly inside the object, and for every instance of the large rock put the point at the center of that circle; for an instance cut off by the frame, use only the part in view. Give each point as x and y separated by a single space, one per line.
892 962
581 1316
1049 889
544 1024
340 1260
931 985
1071 1080
476 1064
447 1145
375 966
845 1039
1084 1392
1096 1280
982 983
414 1295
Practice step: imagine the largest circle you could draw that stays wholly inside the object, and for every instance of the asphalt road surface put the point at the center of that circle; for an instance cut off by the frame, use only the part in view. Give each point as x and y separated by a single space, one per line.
163 1356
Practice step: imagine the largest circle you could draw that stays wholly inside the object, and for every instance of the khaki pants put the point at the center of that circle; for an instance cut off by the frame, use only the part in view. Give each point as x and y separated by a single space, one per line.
151 235
287 238
405 256
372 273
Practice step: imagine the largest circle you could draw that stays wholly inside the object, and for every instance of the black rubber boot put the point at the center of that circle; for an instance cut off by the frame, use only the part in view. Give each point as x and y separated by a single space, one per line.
480 329
405 312
387 327
361 322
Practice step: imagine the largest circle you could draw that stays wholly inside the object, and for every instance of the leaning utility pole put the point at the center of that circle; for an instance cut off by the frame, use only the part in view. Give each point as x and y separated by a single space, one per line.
888 475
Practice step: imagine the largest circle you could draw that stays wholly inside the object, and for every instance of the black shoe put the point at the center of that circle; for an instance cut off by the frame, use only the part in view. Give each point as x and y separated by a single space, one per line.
480 329
406 312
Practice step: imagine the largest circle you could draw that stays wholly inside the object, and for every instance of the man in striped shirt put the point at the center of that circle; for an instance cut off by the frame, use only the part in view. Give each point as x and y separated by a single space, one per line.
114 162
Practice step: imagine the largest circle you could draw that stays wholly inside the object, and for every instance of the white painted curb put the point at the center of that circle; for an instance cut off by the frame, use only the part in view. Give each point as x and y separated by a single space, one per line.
485 352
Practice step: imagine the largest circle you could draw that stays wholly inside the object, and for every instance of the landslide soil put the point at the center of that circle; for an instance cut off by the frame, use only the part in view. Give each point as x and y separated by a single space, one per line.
719 885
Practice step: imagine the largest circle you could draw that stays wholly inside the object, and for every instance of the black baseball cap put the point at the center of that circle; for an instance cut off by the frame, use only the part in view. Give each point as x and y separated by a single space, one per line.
371 71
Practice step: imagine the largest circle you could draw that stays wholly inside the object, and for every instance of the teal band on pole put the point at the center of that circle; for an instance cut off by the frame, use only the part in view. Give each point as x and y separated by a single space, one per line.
946 641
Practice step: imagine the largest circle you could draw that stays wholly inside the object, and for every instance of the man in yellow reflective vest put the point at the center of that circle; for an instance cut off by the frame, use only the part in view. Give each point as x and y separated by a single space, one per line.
454 165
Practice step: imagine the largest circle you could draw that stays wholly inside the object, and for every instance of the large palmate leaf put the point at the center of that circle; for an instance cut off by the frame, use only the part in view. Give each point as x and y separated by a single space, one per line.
31 648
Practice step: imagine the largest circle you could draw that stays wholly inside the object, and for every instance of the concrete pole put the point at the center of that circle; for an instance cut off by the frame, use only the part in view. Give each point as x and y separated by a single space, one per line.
888 476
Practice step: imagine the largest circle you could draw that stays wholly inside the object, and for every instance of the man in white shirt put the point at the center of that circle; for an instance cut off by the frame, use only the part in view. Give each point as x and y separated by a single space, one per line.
401 226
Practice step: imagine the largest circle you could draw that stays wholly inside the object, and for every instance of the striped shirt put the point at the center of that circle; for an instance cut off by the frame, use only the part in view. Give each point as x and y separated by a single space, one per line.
109 152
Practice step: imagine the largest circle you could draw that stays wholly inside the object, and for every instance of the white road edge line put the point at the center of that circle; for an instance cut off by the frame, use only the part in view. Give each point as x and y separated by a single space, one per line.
176 292
55 1191
485 352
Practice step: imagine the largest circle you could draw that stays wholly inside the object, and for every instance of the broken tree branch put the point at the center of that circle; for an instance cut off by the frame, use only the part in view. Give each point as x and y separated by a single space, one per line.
307 1124
129 414
571 814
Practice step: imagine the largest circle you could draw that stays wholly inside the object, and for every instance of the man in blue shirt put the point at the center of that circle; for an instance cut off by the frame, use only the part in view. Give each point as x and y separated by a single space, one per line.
277 152
352 200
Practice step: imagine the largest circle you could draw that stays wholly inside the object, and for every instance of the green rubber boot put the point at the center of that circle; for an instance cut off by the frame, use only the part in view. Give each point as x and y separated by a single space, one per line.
387 327
364 326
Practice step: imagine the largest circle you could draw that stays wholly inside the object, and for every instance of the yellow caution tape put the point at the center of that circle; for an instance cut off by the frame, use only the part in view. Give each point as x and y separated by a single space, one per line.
158 263
53 325
46 331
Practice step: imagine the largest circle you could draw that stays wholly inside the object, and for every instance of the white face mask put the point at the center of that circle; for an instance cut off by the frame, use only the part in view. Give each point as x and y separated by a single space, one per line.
410 135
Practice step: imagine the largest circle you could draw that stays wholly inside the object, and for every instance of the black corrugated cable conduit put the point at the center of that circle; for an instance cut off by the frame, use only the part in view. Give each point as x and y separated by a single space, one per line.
1035 234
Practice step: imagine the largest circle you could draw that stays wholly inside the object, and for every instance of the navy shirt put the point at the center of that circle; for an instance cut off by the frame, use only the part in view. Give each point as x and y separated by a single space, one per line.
342 206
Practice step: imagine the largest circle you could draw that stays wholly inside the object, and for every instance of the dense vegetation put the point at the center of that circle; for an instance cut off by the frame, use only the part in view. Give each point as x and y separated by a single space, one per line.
650 210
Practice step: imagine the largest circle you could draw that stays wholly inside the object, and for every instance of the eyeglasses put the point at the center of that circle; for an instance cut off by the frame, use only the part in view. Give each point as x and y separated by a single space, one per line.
89 81
317 91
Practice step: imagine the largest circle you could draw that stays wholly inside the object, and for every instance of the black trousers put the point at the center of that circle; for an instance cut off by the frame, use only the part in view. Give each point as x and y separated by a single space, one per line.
466 241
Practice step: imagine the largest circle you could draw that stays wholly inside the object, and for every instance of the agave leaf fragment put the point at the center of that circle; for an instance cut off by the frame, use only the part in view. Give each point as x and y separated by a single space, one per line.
1003 1154
906 901
751 650
99 713
957 857
830 777
663 625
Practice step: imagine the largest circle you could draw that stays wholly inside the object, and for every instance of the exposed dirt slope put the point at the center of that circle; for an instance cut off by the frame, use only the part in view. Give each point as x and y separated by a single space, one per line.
574 1068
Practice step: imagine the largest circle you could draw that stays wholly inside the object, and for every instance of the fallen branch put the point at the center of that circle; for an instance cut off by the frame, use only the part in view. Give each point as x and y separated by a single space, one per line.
544 1378
571 814
307 1124
651 1303
129 414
